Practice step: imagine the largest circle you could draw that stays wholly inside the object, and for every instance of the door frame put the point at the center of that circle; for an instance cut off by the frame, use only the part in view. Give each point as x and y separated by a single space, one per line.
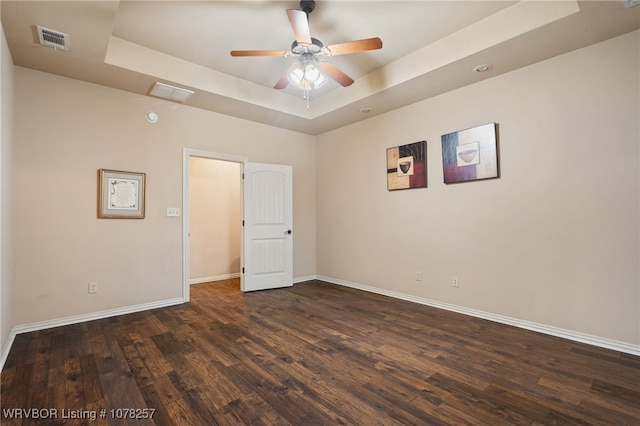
187 153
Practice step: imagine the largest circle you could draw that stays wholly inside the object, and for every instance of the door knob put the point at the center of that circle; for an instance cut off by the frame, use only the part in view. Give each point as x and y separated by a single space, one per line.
288 232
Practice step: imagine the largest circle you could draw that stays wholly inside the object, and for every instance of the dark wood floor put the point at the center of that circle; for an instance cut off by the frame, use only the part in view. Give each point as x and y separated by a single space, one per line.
314 354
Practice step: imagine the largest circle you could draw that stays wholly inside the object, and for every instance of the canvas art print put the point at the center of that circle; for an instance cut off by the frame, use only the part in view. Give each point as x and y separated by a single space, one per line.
470 154
407 166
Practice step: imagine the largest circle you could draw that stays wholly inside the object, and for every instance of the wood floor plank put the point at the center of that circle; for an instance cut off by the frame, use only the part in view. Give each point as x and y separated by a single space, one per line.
251 410
90 380
161 395
180 413
220 388
39 376
284 395
56 397
137 365
74 391
349 408
157 367
192 404
470 399
16 393
314 354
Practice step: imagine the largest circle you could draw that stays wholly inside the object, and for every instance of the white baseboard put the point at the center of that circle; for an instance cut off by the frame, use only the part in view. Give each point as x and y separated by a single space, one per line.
43 325
213 278
6 348
298 280
527 325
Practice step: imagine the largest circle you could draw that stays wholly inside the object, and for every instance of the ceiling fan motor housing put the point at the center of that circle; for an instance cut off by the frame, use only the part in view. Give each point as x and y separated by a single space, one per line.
315 47
307 6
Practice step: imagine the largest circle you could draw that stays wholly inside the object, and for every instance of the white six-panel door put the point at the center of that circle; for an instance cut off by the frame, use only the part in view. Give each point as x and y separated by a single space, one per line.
268 220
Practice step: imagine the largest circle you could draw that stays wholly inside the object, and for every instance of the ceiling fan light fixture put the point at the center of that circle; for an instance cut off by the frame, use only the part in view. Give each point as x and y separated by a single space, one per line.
306 75
309 73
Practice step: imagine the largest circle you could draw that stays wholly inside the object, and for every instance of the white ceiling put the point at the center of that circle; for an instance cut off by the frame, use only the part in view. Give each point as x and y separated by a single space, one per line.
429 47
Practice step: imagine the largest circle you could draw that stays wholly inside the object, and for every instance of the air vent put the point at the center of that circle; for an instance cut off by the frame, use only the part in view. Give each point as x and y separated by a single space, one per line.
171 93
55 39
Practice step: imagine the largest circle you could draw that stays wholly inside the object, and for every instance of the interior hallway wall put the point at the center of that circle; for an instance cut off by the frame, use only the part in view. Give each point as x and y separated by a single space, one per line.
215 216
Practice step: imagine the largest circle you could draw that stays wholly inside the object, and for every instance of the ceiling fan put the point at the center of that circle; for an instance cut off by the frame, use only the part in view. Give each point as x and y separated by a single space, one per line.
311 69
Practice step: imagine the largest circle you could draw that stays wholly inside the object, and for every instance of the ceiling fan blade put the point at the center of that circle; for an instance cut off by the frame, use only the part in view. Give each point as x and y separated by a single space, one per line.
300 25
283 82
258 52
355 46
333 72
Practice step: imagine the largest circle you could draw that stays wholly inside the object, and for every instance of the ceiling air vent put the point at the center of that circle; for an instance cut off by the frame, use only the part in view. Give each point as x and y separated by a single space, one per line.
171 93
55 39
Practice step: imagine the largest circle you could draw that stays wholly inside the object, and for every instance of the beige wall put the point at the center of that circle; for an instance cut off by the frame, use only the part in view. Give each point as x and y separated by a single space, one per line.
65 131
6 142
554 241
214 217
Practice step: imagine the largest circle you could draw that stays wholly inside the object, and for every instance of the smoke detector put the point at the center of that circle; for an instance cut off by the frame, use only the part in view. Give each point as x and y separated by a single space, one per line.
52 38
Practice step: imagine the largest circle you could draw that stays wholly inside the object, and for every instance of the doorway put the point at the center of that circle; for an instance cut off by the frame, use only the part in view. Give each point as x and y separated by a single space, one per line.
212 217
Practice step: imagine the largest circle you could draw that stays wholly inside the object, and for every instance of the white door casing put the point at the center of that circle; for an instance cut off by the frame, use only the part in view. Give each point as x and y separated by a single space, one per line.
268 221
186 254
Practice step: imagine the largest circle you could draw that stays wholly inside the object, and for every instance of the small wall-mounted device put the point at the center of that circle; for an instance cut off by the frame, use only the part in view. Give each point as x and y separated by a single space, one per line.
152 117
173 211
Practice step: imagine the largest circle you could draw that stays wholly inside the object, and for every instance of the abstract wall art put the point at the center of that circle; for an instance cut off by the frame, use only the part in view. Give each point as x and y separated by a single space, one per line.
471 154
407 166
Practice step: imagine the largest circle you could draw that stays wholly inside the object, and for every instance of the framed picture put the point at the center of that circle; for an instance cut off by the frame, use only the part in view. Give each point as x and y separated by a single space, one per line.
471 154
121 195
407 166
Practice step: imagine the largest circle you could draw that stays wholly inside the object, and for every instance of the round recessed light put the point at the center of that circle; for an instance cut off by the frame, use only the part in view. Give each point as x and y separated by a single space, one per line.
482 68
365 110
152 117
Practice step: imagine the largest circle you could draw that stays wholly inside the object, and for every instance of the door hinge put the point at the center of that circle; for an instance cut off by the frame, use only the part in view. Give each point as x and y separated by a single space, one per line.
243 223
243 269
243 176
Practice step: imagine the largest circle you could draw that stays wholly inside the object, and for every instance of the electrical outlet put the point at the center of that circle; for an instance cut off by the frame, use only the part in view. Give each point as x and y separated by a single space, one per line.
418 276
173 211
93 288
455 282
